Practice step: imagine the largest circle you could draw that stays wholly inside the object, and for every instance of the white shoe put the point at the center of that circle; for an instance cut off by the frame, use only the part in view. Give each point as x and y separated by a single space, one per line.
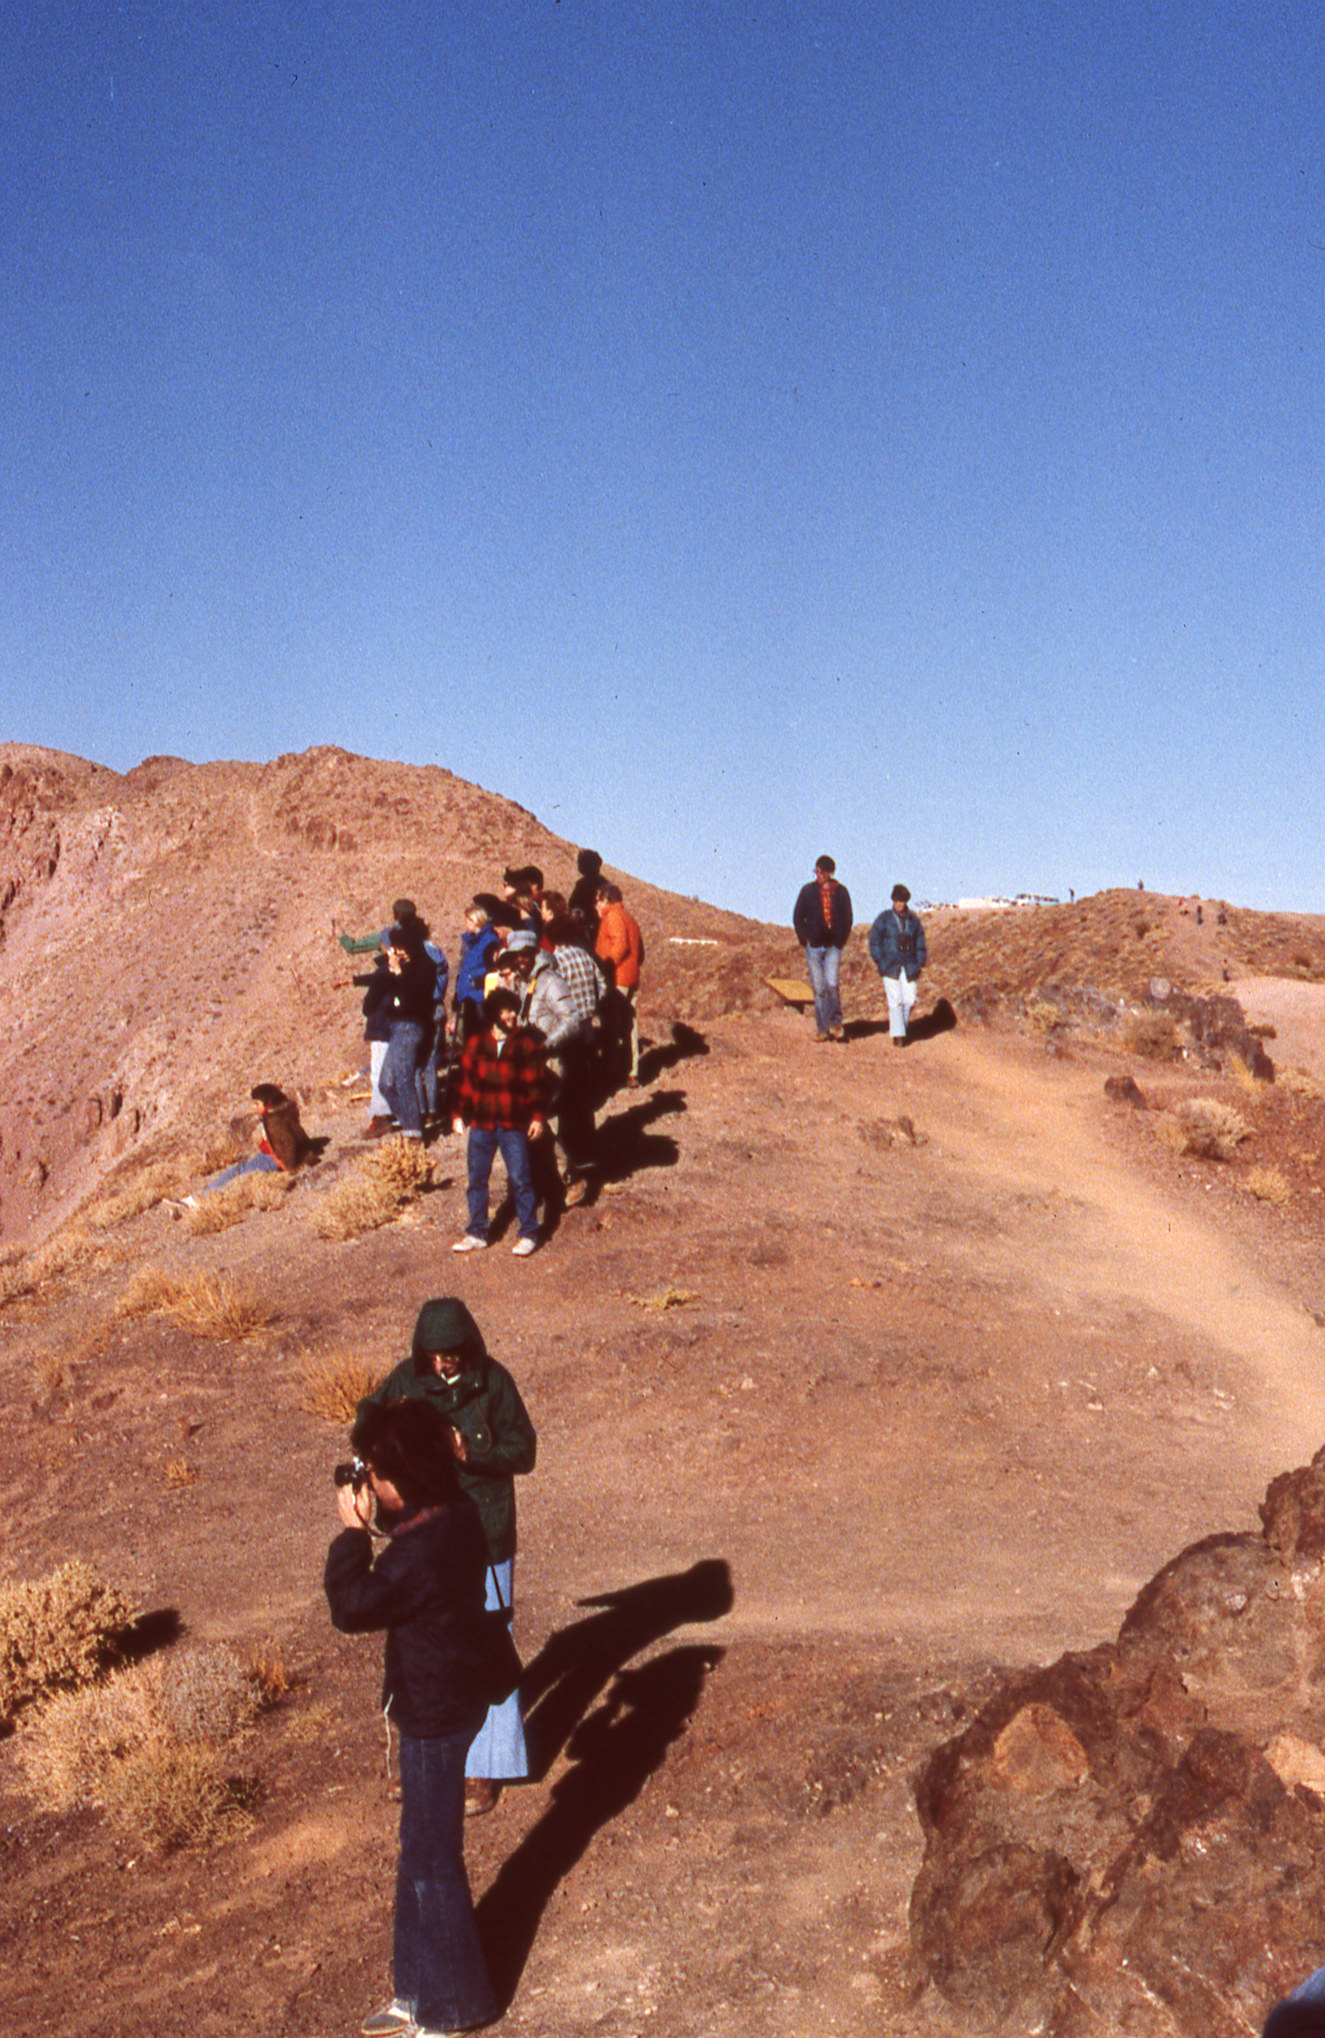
523 1247
392 2022
470 1244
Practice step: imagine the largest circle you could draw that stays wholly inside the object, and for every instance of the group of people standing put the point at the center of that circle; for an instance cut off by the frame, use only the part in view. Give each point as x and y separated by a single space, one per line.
822 920
545 1028
438 1447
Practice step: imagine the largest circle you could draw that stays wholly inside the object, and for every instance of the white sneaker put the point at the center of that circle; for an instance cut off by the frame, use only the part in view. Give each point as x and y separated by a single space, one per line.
392 2022
523 1247
470 1244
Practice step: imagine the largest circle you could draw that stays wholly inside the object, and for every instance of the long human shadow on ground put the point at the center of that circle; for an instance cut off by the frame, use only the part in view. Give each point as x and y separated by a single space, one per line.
613 1750
941 1020
685 1043
625 1144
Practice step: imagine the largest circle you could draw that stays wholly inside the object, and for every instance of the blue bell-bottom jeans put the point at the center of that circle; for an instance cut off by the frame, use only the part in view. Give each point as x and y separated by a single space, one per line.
438 1969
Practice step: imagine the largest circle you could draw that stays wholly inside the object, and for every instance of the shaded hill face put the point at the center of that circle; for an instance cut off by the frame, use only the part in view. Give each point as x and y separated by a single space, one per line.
167 938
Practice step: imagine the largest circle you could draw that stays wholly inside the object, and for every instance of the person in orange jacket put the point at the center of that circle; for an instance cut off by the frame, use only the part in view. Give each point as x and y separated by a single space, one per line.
620 949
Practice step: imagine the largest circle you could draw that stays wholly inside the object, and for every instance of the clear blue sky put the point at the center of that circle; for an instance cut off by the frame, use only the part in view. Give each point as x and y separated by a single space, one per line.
732 431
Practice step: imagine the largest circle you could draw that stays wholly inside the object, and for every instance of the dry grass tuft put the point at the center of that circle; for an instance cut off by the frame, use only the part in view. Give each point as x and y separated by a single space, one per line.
1151 1035
181 1472
333 1385
1299 1083
375 1190
224 1207
268 1673
1205 1127
145 1747
211 1305
151 1289
58 1632
130 1199
1269 1184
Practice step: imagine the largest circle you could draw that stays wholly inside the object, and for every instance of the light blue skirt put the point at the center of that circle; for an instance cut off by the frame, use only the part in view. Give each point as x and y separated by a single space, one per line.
498 1750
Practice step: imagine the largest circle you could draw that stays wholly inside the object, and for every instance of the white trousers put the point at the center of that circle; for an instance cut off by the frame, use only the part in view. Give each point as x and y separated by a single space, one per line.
901 997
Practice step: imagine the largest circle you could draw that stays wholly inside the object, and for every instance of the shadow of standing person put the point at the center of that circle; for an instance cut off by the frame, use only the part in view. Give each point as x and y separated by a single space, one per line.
576 1664
614 1752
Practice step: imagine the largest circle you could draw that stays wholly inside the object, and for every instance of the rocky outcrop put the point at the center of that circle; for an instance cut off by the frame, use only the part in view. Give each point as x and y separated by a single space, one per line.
1133 1839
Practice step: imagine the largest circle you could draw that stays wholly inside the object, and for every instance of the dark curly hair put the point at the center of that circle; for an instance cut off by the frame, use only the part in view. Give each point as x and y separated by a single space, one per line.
409 1443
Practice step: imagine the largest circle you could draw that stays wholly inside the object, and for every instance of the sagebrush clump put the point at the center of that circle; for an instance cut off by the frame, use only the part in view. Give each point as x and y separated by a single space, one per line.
375 1190
1206 1127
57 1633
1151 1035
148 1747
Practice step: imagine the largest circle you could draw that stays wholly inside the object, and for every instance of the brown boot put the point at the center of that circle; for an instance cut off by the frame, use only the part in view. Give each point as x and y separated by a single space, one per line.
481 1795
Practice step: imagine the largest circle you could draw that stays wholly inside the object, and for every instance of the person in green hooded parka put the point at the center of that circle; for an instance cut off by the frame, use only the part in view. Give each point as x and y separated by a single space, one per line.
493 1440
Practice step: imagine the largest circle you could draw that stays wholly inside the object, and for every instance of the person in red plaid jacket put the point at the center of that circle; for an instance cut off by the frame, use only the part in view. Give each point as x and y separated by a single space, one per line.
502 1097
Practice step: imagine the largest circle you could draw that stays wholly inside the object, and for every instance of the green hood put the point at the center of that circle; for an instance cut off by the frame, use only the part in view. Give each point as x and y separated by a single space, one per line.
445 1325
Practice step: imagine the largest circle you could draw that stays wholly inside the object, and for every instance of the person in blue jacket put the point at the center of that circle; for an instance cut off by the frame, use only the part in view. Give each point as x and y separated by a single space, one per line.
478 944
898 951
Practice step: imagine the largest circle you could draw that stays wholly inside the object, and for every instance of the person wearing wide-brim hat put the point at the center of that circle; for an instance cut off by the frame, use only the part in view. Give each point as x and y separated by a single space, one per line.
898 951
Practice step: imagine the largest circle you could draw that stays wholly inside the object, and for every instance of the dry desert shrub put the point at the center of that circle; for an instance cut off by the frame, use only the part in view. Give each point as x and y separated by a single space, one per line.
230 1205
1269 1184
268 1673
1152 1035
58 1632
1299 1083
333 1384
1205 1127
375 1190
145 1747
1043 1016
211 1305
164 1796
130 1199
151 1288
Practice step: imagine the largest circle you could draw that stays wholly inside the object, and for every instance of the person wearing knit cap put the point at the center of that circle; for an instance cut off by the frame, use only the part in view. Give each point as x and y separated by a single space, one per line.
821 918
494 1442
899 953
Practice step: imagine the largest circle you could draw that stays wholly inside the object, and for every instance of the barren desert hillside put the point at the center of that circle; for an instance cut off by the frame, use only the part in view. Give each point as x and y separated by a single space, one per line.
912 1646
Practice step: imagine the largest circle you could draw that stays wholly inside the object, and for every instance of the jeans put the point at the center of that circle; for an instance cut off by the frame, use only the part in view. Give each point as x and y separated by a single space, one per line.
438 1968
485 1142
256 1164
825 967
398 1085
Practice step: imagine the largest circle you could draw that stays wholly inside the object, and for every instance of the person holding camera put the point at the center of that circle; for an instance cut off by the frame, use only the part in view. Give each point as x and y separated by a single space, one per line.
425 1588
492 1440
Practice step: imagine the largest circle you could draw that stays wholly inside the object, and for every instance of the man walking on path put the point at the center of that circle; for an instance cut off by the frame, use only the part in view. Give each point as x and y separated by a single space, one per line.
897 948
822 920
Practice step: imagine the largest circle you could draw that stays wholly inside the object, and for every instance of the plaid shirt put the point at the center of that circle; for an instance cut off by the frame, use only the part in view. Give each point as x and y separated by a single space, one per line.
507 1088
582 976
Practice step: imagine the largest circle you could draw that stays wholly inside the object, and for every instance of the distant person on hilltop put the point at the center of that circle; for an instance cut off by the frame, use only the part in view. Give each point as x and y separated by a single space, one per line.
584 892
620 949
822 921
897 947
479 942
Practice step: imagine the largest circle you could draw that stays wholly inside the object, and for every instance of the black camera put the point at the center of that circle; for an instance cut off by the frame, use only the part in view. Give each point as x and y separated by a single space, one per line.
353 1473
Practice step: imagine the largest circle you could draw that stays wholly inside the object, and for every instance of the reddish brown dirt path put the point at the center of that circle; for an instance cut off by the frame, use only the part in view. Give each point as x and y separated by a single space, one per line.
933 1405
